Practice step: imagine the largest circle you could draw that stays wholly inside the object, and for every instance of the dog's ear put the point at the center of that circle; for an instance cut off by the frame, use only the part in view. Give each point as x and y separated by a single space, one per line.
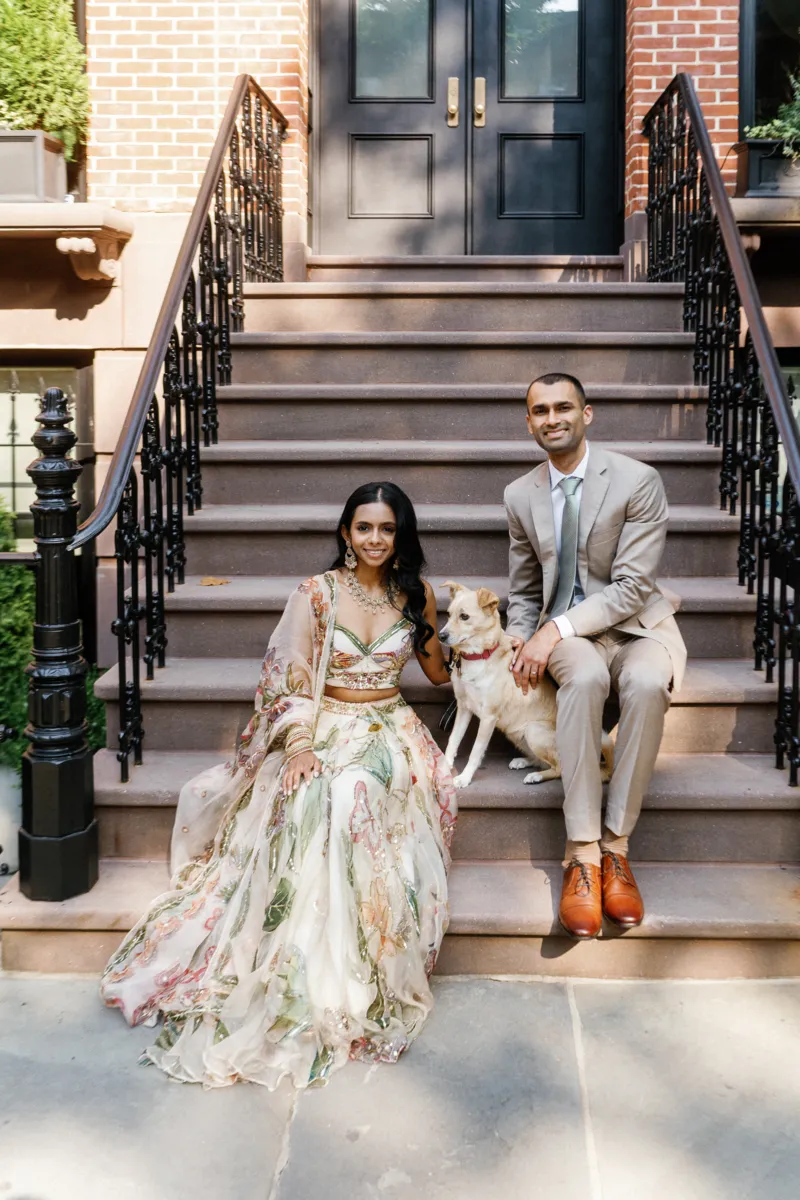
487 600
454 587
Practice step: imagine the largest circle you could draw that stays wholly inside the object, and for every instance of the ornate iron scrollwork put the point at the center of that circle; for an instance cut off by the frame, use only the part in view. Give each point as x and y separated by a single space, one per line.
686 242
240 242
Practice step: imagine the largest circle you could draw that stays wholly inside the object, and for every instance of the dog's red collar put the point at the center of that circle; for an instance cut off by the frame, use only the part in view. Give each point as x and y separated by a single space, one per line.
483 654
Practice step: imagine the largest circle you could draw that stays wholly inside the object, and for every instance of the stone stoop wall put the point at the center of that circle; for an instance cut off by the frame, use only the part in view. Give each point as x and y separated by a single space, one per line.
160 74
664 37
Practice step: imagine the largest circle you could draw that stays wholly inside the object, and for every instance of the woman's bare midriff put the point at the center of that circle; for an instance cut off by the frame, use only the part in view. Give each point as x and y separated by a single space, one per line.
350 696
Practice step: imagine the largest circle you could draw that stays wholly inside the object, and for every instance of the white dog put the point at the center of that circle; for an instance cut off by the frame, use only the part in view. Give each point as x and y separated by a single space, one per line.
485 687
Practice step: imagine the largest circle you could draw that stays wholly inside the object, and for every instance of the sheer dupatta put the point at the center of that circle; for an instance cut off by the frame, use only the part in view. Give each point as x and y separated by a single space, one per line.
289 695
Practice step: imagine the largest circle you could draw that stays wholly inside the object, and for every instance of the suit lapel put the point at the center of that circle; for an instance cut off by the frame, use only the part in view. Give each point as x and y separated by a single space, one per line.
593 493
542 512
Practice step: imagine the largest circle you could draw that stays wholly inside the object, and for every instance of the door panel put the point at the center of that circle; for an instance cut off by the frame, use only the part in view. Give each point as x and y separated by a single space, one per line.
544 164
537 173
392 172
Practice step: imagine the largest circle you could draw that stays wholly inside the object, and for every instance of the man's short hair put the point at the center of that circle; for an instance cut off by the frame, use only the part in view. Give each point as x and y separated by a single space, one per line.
560 377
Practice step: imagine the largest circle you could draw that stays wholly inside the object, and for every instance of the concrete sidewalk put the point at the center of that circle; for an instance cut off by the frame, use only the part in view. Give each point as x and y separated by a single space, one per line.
517 1090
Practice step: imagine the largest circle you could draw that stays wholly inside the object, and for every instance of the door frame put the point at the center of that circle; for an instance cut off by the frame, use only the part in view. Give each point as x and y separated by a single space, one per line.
315 198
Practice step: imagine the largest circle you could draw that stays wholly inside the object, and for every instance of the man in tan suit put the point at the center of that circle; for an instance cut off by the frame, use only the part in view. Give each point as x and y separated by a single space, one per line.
587 532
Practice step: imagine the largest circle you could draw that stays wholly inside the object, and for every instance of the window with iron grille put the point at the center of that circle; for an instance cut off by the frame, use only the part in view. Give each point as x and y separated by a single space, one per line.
20 390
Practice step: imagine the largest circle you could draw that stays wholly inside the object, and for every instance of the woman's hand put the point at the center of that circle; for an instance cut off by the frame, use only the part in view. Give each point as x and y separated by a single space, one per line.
305 766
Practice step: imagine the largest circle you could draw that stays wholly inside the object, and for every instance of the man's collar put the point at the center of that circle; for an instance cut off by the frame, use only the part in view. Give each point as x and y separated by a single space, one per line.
580 471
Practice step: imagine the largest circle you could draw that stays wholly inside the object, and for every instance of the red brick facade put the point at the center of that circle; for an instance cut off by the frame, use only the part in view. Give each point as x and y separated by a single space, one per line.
662 38
160 73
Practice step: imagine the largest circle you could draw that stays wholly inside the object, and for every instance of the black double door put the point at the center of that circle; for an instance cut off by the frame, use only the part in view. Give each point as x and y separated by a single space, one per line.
467 126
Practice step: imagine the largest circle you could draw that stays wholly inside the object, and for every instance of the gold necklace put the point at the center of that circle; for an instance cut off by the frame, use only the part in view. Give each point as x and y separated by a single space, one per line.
364 600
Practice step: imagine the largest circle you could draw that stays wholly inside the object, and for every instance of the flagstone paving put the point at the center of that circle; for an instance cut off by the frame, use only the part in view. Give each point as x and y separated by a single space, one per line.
518 1089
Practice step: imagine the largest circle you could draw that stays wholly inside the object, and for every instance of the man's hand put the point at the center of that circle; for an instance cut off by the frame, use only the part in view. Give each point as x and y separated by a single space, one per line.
530 660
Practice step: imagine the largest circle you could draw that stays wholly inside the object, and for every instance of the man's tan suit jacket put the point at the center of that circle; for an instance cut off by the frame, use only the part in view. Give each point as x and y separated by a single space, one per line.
622 529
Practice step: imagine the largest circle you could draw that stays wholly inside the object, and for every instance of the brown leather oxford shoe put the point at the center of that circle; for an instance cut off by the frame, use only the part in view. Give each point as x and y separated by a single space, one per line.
581 908
622 900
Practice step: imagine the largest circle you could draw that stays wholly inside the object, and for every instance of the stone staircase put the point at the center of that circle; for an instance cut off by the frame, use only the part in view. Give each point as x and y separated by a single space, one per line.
416 370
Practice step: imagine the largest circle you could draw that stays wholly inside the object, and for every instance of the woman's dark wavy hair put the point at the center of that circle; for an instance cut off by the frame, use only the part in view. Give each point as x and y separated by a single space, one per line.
407 551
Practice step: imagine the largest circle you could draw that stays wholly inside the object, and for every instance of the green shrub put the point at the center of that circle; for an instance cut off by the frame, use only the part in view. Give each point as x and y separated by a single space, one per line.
43 82
17 588
786 125
17 610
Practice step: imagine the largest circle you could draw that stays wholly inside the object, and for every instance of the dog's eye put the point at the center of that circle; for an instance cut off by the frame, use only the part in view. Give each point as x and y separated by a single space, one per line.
463 617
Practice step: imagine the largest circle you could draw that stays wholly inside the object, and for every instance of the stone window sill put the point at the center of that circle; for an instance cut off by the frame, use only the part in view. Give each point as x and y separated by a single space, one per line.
91 235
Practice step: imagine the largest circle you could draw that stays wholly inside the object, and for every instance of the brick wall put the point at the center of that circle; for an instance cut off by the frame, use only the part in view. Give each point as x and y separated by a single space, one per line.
662 38
160 74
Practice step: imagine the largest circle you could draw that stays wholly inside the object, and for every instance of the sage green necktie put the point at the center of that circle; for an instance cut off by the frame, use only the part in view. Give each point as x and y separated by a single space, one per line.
568 555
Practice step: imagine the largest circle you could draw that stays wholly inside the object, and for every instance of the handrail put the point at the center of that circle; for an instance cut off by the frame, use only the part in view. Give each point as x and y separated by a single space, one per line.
122 459
692 236
19 558
742 273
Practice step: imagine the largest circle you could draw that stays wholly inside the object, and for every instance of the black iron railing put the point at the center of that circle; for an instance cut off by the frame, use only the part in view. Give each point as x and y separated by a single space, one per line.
693 237
154 483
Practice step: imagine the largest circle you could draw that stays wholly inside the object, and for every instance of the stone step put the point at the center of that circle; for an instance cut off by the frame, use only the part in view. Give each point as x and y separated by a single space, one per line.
437 358
554 268
716 615
444 471
247 539
478 305
703 921
714 807
204 703
429 412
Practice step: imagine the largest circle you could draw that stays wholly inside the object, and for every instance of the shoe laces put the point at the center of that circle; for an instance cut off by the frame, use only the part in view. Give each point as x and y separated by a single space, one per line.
583 885
619 870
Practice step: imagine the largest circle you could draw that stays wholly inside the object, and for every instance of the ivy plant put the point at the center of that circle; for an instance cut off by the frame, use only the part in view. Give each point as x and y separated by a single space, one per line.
785 126
43 82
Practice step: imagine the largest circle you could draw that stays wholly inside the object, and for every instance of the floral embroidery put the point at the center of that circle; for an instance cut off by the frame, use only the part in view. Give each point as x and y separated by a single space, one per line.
224 957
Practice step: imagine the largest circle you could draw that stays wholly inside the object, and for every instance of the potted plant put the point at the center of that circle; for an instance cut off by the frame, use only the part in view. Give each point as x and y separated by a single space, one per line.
44 98
769 161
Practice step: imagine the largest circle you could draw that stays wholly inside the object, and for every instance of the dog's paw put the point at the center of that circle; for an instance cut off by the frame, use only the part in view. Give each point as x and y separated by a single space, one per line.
463 780
534 777
450 760
519 764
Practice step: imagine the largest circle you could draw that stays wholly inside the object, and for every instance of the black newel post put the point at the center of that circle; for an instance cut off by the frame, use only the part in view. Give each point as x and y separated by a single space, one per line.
58 838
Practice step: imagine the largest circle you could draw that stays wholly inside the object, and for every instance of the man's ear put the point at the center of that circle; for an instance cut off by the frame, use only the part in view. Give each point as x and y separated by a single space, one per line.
454 587
487 600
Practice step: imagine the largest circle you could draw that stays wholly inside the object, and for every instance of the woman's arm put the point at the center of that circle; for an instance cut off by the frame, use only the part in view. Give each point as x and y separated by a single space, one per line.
434 664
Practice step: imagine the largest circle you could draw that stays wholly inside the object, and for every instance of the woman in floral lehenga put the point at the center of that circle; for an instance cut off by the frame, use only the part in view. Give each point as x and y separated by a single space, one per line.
309 881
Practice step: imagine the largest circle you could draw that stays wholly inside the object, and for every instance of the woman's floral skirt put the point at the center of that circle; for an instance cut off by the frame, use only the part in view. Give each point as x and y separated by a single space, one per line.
307 932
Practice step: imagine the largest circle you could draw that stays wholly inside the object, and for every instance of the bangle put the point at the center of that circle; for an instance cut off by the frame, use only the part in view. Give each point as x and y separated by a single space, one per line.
298 741
309 749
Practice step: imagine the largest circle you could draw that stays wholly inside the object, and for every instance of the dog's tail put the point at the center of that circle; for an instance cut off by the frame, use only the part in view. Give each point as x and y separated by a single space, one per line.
607 754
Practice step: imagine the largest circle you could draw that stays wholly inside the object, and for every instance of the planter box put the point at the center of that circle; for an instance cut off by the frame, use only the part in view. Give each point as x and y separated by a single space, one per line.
32 167
764 170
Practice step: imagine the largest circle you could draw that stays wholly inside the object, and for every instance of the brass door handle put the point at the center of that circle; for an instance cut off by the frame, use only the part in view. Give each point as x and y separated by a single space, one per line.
452 101
479 102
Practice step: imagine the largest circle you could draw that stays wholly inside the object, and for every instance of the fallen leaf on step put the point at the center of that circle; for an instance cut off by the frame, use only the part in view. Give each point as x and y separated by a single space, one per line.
212 581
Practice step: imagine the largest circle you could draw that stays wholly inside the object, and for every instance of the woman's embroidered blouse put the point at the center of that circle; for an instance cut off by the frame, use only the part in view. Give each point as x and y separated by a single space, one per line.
369 668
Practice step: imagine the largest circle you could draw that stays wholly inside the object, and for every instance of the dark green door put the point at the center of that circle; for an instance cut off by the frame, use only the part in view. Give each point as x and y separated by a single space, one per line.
467 126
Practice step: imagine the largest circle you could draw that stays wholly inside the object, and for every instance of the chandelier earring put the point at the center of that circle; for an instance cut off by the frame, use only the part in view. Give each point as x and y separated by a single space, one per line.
350 560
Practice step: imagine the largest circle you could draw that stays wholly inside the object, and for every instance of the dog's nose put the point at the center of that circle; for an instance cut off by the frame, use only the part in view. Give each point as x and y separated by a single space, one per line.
443 636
